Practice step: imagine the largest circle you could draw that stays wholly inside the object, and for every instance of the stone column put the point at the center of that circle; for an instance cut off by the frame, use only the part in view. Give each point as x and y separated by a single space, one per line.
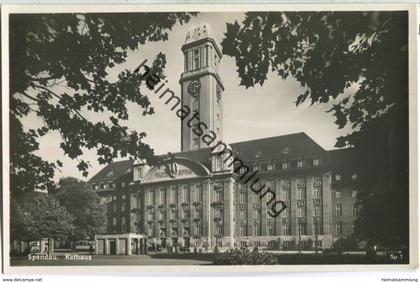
250 208
117 245
277 219
206 211
326 203
107 246
228 224
309 206
293 206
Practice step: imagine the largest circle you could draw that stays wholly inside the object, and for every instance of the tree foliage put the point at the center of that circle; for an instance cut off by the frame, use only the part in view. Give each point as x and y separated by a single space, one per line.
83 203
59 73
17 222
244 257
44 217
327 53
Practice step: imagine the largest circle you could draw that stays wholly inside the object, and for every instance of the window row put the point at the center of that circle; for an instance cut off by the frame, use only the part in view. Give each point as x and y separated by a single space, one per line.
182 194
285 229
105 186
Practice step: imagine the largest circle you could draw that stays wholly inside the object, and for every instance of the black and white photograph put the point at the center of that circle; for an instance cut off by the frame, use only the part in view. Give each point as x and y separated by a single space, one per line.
209 136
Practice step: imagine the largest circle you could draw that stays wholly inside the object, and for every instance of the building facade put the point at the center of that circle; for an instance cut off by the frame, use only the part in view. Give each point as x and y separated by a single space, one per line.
195 198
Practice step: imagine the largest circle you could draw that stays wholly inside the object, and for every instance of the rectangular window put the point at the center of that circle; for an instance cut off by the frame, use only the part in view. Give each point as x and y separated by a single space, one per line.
315 162
196 62
337 177
219 230
284 194
123 206
242 197
270 167
339 228
217 213
300 212
354 194
285 229
316 211
317 192
284 166
270 230
198 230
300 164
162 197
114 185
257 230
242 230
123 224
338 210
161 215
114 221
198 193
301 228
300 194
242 215
173 196
317 227
218 164
186 194
354 176
284 213
337 194
122 184
219 196
255 168
150 198
256 214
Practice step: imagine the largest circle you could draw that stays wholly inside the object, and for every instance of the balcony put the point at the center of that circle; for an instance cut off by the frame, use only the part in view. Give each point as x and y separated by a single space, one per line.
217 204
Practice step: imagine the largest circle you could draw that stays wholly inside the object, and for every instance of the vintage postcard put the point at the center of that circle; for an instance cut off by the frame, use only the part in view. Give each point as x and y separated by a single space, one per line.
209 138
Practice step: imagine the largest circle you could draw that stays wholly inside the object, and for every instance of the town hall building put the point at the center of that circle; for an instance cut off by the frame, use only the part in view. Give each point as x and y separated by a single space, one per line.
198 197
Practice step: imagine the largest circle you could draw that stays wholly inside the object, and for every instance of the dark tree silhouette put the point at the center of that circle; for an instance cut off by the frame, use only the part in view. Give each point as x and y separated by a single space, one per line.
44 217
328 52
83 203
59 66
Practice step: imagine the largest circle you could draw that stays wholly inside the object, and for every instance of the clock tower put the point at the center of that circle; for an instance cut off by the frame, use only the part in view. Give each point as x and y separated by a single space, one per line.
201 86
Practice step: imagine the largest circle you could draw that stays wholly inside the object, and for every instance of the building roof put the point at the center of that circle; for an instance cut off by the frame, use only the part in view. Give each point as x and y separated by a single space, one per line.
277 147
113 171
271 148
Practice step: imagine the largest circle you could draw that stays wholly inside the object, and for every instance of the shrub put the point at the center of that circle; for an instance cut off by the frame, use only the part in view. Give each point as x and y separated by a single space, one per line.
244 256
345 244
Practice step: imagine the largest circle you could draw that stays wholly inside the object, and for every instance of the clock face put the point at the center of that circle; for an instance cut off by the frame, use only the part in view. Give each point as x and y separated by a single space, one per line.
194 87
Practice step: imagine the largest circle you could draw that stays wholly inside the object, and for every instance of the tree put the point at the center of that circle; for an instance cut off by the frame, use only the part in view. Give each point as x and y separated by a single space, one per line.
44 217
59 72
328 52
17 224
83 203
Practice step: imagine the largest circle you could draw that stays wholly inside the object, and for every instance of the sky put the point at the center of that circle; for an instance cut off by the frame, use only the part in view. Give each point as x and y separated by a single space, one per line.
253 113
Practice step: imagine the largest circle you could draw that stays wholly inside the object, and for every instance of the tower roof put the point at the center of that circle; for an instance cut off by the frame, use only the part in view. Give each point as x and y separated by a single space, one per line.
197 32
